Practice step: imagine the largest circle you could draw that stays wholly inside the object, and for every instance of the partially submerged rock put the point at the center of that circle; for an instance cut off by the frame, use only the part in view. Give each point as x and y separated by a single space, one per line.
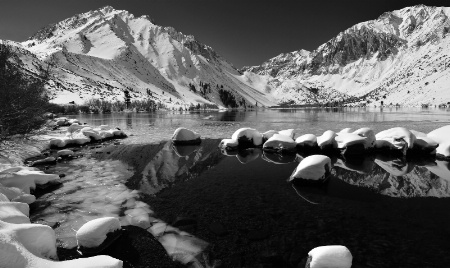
288 132
94 233
248 137
327 140
280 143
329 257
424 144
313 167
441 136
351 144
229 144
369 135
398 139
185 136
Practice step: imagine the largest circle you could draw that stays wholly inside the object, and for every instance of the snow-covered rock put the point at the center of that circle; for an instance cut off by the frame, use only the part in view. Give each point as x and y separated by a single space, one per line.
93 233
268 134
91 133
330 257
287 132
228 144
280 143
348 139
441 136
368 134
423 143
14 212
327 140
398 138
313 167
65 152
307 140
346 130
248 136
351 144
27 180
185 136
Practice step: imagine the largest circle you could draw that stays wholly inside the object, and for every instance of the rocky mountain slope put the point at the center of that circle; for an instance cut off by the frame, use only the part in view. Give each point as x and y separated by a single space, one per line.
401 57
101 53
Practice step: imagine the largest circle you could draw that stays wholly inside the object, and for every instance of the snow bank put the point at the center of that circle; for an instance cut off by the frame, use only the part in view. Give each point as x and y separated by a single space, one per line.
26 180
313 167
93 233
280 143
14 212
330 257
247 136
185 136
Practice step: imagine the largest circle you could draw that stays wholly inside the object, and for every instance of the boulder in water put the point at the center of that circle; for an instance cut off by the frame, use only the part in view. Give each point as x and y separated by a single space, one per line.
183 136
329 257
313 167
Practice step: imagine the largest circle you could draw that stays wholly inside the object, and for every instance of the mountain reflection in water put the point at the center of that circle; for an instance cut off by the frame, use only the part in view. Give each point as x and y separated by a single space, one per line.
241 204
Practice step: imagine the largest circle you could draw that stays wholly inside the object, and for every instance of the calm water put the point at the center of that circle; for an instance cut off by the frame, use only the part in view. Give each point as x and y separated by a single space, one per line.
238 209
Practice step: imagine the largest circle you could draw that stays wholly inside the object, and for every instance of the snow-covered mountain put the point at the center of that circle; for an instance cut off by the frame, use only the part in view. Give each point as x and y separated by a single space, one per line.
101 53
401 57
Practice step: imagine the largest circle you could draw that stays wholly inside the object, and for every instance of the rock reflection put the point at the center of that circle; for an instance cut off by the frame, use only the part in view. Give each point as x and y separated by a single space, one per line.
279 158
248 155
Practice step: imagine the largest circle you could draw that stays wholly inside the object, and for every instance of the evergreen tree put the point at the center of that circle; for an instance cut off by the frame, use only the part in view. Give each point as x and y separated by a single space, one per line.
24 99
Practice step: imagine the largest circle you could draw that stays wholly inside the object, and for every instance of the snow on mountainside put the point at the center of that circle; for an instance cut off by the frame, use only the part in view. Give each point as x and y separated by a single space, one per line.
101 53
401 57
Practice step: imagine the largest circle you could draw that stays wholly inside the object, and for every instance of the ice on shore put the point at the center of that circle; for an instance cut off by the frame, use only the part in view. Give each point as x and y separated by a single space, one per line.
313 167
14 212
248 136
330 257
93 233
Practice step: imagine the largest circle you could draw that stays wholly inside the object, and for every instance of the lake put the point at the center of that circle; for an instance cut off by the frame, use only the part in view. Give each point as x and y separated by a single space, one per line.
237 209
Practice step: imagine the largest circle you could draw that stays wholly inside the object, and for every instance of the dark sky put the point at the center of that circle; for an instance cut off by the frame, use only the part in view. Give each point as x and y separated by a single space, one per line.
245 32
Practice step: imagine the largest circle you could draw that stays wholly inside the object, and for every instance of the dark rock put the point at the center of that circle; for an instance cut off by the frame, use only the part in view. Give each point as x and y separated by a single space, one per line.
45 161
62 175
110 238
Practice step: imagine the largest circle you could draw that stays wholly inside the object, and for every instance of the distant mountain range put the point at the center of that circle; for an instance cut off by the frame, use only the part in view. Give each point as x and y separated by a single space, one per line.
402 57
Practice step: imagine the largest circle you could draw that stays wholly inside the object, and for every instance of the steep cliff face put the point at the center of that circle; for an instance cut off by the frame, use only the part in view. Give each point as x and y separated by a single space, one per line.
100 53
401 57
